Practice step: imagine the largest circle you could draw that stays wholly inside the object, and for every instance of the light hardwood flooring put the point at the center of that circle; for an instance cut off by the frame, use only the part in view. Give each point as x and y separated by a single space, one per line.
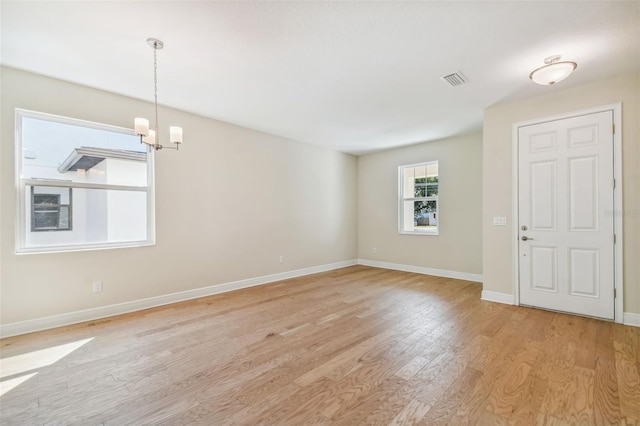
355 346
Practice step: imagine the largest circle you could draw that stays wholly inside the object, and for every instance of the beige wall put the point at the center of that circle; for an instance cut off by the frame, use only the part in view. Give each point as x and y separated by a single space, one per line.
497 174
458 248
233 200
227 206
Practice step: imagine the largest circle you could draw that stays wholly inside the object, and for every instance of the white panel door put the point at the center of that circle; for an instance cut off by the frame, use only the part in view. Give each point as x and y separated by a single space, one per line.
565 208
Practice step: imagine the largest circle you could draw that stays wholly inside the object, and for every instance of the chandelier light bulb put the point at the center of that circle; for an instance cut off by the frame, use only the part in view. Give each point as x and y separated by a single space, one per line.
141 126
150 139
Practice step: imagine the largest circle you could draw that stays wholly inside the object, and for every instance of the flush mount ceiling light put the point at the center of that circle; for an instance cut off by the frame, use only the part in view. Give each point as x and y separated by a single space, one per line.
553 72
152 137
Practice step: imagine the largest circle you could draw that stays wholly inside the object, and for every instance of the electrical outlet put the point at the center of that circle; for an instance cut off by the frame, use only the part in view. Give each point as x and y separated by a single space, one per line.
281 259
97 286
374 250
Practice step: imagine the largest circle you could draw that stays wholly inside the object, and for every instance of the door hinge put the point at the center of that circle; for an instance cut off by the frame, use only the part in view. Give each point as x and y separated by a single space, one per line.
614 239
614 128
614 184
615 293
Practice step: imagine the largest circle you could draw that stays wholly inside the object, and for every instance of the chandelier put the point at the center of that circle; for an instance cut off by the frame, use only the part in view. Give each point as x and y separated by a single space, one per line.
148 136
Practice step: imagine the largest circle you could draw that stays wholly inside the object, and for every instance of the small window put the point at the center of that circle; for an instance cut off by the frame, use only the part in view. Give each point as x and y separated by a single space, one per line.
50 209
418 198
81 185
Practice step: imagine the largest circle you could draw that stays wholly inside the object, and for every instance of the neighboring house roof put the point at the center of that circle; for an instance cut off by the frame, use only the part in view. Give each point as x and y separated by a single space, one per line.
87 157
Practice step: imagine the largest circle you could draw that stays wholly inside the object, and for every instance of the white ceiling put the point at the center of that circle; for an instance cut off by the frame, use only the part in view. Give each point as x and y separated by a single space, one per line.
352 76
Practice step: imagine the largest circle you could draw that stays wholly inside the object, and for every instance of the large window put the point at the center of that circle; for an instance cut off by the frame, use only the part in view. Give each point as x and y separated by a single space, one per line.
418 198
81 185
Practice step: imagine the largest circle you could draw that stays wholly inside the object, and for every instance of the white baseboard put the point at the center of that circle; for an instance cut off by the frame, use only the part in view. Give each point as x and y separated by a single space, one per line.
631 319
38 324
494 296
422 270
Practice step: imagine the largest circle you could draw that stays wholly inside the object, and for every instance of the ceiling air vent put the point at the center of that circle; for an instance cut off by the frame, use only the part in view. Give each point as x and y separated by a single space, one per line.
455 79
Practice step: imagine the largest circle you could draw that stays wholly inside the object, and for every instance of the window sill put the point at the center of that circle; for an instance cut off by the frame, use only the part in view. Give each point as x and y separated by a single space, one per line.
67 249
419 232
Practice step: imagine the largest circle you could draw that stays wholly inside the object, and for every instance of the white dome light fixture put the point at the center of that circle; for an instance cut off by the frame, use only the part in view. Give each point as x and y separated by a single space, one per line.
553 72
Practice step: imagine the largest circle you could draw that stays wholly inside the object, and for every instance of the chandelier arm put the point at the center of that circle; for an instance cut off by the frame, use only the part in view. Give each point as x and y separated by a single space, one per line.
159 147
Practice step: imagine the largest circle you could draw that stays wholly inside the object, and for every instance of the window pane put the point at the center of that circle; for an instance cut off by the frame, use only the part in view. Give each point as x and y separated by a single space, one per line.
46 219
424 207
408 218
99 217
432 170
64 220
420 172
63 151
425 215
420 187
420 216
46 198
408 182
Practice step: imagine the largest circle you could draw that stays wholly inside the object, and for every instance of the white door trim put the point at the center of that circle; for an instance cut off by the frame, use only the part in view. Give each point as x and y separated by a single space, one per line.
617 198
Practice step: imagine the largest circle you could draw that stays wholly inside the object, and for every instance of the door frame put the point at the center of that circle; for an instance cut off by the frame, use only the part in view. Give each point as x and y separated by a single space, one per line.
618 217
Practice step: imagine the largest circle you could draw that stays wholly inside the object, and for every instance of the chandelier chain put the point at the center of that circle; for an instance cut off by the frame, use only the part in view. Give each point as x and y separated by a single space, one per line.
155 89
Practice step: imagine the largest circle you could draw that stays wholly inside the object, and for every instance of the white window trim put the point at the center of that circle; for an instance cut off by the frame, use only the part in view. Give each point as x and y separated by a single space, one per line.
401 201
22 183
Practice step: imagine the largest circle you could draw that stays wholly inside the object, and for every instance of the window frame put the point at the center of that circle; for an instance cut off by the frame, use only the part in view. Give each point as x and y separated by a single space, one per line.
402 199
22 225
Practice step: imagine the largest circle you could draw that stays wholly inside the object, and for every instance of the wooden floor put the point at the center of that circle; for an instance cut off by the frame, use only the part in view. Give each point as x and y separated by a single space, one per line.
356 346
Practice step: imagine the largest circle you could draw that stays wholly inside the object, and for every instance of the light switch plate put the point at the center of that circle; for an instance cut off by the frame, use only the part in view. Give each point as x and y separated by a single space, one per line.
500 221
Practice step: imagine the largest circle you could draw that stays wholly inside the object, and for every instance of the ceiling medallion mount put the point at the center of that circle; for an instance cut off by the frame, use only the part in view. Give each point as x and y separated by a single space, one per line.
548 60
154 43
553 72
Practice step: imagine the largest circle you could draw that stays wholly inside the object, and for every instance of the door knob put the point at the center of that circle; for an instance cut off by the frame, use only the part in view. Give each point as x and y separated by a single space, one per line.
525 238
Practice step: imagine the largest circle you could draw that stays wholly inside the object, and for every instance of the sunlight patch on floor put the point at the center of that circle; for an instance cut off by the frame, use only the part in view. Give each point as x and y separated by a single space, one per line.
13 369
7 385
